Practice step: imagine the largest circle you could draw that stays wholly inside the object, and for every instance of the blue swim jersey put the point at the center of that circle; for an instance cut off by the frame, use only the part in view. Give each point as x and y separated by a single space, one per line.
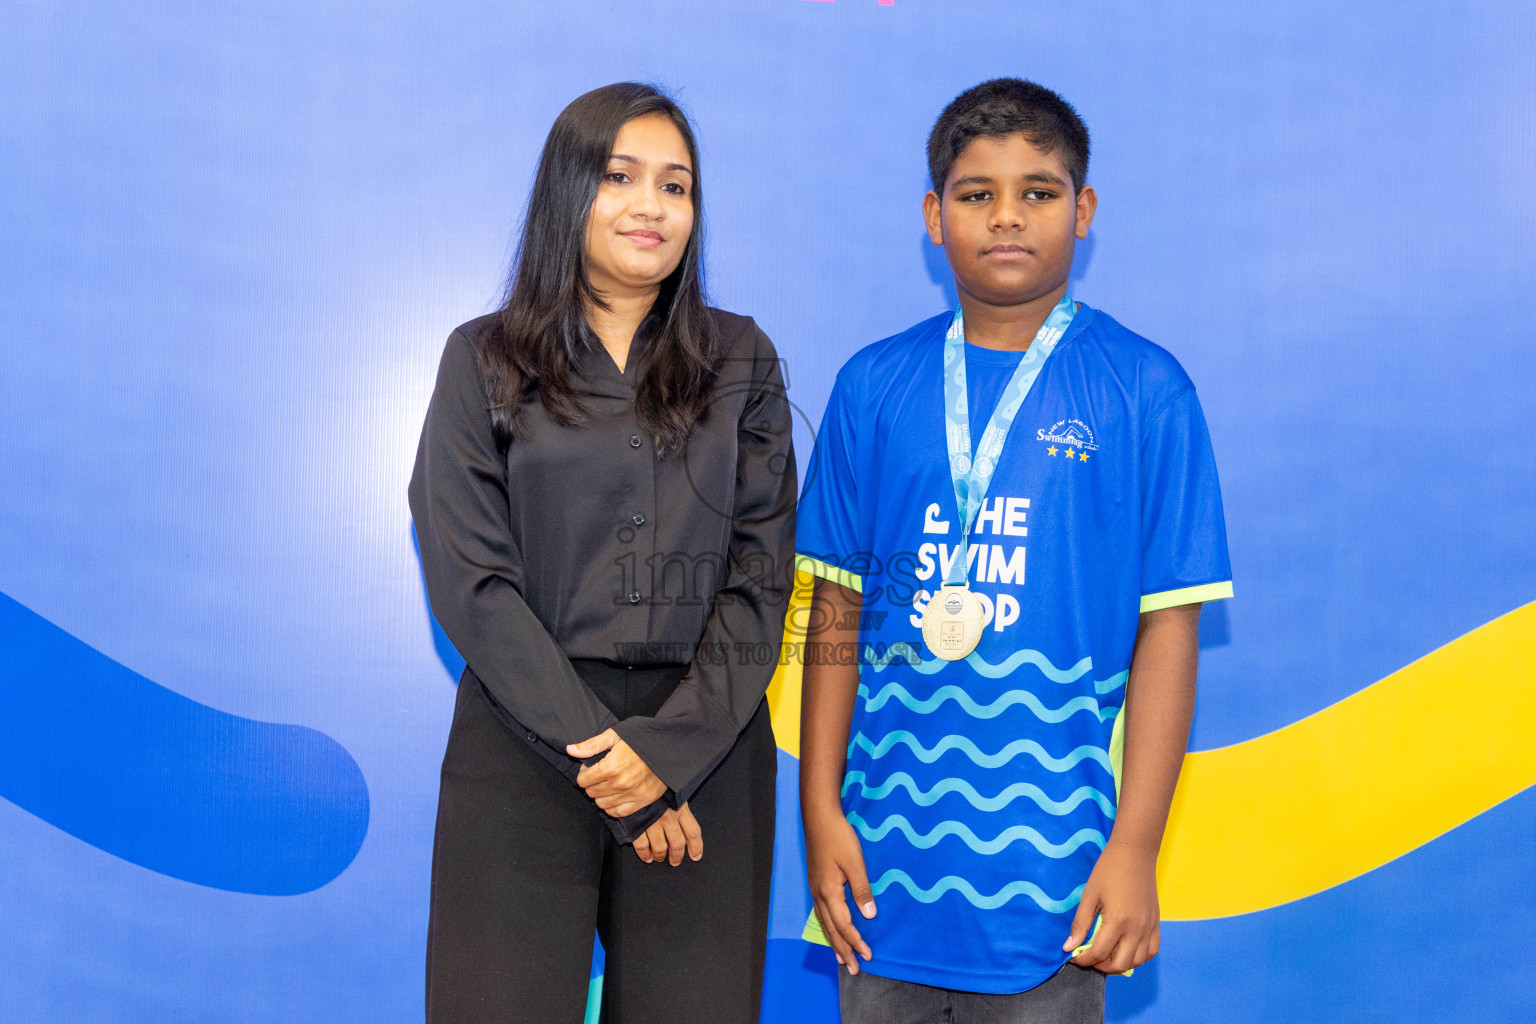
983 790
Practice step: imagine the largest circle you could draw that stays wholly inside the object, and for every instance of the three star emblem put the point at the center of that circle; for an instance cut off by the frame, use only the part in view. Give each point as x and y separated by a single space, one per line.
1070 454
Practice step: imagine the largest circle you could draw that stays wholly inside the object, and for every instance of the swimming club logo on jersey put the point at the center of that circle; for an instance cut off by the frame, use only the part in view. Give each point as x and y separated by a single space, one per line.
1072 439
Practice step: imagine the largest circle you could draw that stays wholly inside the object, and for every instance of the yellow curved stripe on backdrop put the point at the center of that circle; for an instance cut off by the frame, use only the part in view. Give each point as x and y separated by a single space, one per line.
1358 784
784 690
1336 794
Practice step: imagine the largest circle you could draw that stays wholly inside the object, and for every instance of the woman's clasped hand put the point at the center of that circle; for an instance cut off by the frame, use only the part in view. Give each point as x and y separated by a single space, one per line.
622 784
675 833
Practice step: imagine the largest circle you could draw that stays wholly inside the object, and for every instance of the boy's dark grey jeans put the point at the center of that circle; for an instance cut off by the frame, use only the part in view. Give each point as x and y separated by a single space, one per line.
1073 995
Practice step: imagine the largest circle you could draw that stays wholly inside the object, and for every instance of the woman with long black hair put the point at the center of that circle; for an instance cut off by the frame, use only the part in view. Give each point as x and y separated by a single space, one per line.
604 498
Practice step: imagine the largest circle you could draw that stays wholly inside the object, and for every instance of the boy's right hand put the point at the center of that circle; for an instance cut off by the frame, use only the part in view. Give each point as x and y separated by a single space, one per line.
834 859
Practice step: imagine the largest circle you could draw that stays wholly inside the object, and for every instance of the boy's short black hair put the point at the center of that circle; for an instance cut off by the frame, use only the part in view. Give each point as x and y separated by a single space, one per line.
1008 106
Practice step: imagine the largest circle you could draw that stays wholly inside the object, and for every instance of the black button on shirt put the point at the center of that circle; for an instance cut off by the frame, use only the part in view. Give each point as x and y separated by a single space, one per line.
529 562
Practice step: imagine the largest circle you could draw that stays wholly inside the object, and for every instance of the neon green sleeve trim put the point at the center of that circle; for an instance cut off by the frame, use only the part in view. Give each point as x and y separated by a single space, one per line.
817 567
1187 595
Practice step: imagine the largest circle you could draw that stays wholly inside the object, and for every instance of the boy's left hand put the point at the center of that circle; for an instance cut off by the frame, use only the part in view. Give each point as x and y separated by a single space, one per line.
1123 891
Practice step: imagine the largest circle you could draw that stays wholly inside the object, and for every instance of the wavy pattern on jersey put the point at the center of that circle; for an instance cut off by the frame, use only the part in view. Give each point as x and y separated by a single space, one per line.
909 656
954 883
784 688
966 746
968 703
959 829
944 787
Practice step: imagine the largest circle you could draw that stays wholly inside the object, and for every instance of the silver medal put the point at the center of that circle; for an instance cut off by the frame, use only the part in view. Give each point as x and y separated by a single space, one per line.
952 622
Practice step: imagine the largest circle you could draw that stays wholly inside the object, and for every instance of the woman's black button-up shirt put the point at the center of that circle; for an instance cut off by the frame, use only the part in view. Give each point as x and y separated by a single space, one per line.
579 542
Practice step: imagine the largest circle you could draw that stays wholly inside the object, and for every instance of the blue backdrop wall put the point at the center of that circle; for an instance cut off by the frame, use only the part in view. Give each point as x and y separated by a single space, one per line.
233 239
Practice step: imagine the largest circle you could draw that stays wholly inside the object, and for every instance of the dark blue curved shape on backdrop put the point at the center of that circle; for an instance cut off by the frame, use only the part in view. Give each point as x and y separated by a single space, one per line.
172 785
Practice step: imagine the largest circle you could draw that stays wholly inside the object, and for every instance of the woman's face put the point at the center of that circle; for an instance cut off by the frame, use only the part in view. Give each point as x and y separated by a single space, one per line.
643 213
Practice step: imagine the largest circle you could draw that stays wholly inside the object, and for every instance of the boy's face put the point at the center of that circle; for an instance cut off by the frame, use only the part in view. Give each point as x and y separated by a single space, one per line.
1008 220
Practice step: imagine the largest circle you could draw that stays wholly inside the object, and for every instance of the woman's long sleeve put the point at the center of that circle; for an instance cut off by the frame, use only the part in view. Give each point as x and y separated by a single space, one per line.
474 572
739 650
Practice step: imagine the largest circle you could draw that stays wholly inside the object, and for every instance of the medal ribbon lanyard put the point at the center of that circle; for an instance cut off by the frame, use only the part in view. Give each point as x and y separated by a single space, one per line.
972 476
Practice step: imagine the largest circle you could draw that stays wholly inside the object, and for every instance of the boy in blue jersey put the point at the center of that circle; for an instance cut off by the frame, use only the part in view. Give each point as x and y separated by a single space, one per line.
1001 669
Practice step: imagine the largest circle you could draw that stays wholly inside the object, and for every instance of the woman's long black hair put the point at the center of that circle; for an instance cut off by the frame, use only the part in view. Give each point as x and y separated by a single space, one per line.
543 323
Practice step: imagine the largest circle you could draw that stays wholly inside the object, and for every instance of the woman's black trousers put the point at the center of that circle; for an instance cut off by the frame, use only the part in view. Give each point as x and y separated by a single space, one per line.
524 871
